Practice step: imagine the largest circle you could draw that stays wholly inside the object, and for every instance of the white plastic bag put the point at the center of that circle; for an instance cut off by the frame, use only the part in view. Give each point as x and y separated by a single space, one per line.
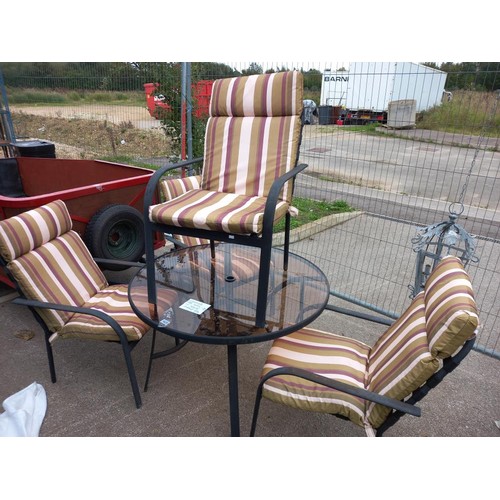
24 412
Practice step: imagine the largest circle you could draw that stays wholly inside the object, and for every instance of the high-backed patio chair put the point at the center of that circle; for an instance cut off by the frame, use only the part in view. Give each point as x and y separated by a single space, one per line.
250 160
374 386
60 282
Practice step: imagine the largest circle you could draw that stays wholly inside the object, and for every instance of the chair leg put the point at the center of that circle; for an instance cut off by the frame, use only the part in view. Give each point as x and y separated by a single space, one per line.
50 356
131 374
256 410
150 360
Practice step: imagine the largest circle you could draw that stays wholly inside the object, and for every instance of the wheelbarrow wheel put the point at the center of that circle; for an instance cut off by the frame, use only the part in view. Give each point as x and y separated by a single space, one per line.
116 232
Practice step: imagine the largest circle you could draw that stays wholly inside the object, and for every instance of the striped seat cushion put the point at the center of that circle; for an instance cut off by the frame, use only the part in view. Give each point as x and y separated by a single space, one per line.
172 188
451 310
326 354
225 212
399 361
113 301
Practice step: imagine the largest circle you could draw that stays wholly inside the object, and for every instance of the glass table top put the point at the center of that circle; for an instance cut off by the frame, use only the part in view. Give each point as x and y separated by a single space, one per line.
213 300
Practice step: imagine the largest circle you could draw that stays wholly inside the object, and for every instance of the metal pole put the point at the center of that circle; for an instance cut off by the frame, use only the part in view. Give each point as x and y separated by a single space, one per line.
362 303
183 112
234 411
189 112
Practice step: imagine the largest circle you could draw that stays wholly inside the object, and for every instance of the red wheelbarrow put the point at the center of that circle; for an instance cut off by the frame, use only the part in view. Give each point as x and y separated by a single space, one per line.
104 199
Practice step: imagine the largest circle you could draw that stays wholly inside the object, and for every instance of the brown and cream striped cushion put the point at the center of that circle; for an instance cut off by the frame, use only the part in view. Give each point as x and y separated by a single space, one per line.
245 155
273 94
113 301
226 212
172 188
326 354
438 321
451 311
61 271
51 263
252 135
399 361
29 230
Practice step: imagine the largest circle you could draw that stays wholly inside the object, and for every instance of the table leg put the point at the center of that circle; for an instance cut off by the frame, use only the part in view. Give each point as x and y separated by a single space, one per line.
232 363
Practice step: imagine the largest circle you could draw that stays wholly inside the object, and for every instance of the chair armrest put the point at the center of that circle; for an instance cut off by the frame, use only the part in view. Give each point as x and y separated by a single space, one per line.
343 387
82 310
155 178
272 198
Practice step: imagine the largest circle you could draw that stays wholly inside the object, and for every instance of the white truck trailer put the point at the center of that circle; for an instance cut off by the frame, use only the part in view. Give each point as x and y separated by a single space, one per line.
363 93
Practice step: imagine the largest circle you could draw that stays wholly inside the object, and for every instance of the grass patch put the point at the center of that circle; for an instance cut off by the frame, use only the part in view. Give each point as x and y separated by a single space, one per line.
469 112
311 210
19 96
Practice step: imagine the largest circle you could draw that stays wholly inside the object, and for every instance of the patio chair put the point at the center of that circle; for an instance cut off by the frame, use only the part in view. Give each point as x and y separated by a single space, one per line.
250 161
60 282
374 386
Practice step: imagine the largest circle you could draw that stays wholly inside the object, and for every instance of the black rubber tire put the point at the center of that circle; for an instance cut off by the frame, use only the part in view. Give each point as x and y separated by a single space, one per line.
116 232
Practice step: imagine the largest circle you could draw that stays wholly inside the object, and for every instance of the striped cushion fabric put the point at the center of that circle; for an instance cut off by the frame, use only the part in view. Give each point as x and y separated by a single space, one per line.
29 230
326 354
244 155
51 263
190 241
399 361
172 188
61 271
226 212
274 94
252 135
252 138
113 301
451 311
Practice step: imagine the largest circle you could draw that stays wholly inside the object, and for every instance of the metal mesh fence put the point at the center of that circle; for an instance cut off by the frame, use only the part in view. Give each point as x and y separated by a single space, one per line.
402 143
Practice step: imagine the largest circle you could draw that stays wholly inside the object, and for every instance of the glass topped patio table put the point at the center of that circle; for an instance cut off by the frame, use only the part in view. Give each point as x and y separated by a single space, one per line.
216 290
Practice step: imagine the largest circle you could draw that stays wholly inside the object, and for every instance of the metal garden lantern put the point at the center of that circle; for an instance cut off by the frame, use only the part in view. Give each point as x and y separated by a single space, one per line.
437 240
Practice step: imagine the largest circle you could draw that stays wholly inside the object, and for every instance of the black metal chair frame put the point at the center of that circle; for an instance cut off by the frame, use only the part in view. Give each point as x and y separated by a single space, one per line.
127 346
399 408
264 241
